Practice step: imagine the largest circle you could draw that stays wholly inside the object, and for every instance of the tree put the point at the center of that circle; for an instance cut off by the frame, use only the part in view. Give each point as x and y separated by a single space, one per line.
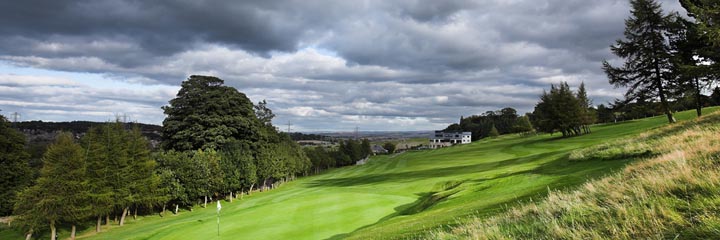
605 114
715 96
97 144
493 132
523 125
179 173
587 117
707 14
390 147
205 114
263 113
15 173
209 173
560 110
366 149
647 67
62 185
143 183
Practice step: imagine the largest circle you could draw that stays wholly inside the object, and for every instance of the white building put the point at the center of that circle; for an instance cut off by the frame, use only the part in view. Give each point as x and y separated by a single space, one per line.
446 139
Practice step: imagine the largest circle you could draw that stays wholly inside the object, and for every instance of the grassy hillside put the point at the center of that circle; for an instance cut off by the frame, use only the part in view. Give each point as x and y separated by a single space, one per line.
399 196
674 193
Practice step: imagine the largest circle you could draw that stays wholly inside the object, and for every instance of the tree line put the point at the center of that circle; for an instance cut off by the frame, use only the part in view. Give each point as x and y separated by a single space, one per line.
492 123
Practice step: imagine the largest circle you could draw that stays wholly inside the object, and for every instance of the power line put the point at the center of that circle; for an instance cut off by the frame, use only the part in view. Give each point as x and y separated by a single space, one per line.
289 124
15 116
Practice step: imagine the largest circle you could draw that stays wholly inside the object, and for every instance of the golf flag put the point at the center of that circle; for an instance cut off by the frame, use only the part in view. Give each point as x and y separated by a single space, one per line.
218 206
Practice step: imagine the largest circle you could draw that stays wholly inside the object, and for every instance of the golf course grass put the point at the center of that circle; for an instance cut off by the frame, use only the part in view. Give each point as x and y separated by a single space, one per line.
397 196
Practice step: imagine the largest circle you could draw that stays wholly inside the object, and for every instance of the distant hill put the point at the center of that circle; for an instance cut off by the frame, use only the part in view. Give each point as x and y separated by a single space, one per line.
152 132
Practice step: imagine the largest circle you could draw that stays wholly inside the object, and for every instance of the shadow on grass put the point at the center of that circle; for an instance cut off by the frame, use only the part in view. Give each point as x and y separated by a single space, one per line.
426 174
571 174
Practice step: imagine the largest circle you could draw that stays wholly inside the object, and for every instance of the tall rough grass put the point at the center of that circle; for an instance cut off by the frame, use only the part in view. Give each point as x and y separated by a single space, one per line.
674 193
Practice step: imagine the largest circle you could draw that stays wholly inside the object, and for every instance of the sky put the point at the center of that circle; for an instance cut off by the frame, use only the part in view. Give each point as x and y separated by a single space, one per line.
321 65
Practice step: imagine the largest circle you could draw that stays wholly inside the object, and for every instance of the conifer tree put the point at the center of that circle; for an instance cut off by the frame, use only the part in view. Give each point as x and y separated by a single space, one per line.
62 185
707 15
647 67
493 132
14 169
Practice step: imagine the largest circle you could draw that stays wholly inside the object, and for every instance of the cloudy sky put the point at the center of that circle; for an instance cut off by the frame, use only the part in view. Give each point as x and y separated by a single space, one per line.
321 65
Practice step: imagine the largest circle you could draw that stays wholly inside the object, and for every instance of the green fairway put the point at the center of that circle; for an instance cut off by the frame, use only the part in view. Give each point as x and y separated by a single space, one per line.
400 195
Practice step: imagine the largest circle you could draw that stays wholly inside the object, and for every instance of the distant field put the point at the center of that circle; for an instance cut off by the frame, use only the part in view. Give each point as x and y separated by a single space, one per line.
398 196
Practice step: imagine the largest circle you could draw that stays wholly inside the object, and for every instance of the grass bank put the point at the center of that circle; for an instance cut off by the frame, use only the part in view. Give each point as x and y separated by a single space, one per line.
673 193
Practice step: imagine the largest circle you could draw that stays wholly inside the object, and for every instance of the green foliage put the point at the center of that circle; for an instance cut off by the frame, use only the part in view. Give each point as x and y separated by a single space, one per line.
390 147
263 113
524 125
715 97
15 173
205 114
365 148
211 177
707 14
180 174
505 121
561 110
647 70
493 132
62 188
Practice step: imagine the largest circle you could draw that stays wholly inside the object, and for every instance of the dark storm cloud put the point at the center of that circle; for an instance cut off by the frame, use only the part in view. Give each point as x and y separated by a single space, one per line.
320 64
158 27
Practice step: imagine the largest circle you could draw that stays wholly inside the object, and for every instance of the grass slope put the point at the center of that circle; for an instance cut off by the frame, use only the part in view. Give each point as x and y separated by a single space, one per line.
673 194
399 196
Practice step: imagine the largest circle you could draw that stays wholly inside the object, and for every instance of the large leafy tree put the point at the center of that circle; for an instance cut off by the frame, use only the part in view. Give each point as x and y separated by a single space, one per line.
15 173
647 54
206 114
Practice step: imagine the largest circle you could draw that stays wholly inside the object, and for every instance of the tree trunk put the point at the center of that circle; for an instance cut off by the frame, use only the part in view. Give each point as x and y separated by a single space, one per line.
661 93
122 218
53 231
135 214
242 193
231 196
162 213
107 220
698 97
99 222
28 236
176 209
72 233
205 204
251 188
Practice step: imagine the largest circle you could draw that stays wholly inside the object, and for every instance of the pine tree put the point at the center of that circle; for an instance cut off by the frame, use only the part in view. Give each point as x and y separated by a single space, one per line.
586 117
62 185
143 183
647 67
707 15
97 144
14 169
493 132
